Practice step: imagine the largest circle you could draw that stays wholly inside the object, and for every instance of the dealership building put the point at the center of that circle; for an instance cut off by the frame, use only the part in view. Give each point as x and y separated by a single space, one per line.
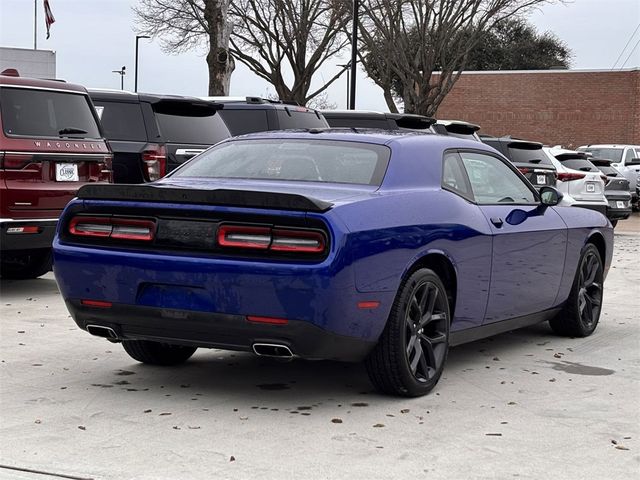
556 107
29 62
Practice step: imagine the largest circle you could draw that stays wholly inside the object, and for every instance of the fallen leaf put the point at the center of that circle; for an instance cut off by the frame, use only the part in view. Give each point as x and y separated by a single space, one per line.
621 447
336 420
82 427
378 425
405 410
232 458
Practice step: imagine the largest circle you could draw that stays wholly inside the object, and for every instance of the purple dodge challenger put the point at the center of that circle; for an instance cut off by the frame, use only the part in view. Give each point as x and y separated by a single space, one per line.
331 244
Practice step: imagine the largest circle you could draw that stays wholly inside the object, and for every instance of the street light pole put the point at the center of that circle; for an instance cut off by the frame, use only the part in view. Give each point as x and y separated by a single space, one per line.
354 54
135 82
346 66
122 72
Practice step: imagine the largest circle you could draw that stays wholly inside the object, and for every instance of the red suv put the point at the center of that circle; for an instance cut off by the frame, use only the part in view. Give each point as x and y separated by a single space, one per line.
50 145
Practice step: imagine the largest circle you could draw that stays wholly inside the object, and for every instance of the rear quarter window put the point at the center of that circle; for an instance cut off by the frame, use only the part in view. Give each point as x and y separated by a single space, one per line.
200 130
244 121
292 118
46 113
121 121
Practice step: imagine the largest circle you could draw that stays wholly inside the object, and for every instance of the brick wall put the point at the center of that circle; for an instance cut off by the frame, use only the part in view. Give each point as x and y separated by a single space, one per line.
566 107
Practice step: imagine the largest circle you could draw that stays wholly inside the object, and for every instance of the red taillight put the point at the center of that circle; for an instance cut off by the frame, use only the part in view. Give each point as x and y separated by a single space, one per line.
604 179
154 158
368 305
244 237
525 170
20 230
15 161
267 238
568 176
267 320
109 227
96 303
306 241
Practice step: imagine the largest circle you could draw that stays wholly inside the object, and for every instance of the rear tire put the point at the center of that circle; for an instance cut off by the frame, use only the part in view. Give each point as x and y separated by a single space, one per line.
23 266
156 353
411 352
581 312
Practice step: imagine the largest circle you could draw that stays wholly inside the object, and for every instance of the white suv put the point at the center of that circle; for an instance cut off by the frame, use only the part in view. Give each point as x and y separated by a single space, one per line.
581 183
624 160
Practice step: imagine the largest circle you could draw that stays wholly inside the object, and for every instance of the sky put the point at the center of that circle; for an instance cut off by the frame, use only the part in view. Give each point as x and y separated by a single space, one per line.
93 37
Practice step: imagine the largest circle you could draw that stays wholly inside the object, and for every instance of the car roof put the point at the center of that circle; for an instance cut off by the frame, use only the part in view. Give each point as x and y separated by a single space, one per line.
513 142
126 96
256 103
376 136
12 81
610 145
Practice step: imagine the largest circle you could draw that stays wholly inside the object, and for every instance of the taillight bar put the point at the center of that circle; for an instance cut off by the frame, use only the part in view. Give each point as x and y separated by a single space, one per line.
154 158
113 227
568 176
268 238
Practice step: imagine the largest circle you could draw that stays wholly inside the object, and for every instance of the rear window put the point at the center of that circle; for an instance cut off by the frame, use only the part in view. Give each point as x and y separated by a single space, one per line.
243 121
301 160
352 122
609 171
121 121
528 155
613 154
579 164
292 118
45 113
181 122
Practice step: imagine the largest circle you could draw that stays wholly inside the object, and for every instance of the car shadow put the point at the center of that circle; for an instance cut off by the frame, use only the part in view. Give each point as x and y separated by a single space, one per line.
261 382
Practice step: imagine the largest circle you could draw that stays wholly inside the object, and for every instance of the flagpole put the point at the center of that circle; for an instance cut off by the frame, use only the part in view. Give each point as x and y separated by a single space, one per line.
35 24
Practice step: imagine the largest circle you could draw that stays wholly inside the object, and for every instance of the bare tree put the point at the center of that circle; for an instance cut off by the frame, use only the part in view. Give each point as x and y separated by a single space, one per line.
186 24
281 38
404 42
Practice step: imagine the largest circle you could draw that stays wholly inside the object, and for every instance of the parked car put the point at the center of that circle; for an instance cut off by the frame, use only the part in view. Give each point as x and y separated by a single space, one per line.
318 245
625 158
616 191
50 145
379 120
528 157
151 135
255 114
578 179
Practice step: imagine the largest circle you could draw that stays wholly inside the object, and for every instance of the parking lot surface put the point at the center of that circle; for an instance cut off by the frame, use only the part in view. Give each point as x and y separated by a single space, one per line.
525 404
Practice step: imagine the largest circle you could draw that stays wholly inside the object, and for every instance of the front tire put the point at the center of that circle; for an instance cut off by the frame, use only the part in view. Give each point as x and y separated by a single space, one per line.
581 312
156 353
411 352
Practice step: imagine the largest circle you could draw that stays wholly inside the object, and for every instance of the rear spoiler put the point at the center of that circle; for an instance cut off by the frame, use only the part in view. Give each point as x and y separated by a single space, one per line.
231 198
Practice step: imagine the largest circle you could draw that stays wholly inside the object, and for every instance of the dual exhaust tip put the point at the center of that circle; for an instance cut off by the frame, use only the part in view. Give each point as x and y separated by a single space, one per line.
272 350
260 349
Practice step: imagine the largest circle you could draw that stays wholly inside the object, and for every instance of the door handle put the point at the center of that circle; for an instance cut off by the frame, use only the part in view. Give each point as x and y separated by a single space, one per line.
497 221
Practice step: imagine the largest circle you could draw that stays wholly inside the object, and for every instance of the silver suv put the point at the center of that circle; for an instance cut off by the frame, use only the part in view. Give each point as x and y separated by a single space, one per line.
625 158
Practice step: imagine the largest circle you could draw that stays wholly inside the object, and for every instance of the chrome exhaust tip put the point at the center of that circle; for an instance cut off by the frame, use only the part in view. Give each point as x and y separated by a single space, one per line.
102 331
272 350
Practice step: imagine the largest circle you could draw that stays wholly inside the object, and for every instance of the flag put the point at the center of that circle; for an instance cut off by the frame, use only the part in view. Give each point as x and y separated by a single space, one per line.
48 16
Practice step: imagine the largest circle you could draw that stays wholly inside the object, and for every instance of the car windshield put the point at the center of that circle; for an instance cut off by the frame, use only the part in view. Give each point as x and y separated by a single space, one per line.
613 154
302 160
46 113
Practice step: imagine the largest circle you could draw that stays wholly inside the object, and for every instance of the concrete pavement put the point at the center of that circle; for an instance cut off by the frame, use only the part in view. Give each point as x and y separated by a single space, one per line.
525 404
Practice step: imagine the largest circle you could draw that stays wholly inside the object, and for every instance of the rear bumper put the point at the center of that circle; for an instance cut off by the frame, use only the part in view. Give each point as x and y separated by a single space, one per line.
598 207
26 241
214 330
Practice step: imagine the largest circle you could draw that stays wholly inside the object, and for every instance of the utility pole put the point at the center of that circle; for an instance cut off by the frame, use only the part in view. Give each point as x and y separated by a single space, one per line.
35 24
354 54
135 82
122 72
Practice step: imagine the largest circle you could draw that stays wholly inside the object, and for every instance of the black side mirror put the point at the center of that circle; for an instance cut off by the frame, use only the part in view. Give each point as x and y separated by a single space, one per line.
634 162
550 196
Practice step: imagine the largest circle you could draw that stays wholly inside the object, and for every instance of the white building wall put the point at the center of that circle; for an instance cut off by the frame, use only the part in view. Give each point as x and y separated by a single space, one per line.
29 62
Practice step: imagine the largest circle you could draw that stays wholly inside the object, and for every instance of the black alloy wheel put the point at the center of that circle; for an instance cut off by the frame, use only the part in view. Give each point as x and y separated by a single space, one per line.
411 352
581 313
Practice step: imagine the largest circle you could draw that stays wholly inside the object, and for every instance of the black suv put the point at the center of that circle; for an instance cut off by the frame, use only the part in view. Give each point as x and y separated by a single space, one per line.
150 135
255 114
528 157
381 120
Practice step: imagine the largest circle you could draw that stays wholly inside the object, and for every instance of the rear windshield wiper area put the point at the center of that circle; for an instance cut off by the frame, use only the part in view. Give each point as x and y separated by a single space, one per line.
71 130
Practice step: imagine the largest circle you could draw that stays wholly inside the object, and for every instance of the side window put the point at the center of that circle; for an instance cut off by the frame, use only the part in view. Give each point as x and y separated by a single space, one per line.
629 155
454 178
494 182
